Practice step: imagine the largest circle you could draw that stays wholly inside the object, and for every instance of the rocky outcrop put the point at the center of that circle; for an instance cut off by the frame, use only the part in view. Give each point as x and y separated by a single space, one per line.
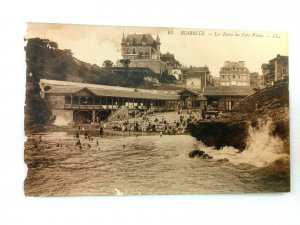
199 154
219 134
270 105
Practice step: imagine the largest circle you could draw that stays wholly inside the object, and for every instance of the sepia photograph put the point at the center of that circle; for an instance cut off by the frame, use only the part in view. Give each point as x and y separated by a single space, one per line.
124 110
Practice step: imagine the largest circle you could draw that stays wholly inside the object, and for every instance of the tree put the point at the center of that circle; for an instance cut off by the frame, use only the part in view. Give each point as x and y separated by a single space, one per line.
68 52
107 63
166 78
125 62
36 110
53 45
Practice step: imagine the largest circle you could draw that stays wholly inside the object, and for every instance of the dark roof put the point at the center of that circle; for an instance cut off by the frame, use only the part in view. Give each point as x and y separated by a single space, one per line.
196 74
113 93
229 64
195 69
187 90
200 97
64 90
167 55
228 91
279 57
139 37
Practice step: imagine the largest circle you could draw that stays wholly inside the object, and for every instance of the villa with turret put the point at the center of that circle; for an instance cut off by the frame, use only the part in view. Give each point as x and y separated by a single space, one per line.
143 51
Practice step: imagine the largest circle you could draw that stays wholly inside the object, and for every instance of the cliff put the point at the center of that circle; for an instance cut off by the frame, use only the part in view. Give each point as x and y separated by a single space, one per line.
235 129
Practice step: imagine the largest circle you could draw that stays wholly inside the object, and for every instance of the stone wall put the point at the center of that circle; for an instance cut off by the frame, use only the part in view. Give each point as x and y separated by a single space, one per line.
56 101
63 117
155 65
275 96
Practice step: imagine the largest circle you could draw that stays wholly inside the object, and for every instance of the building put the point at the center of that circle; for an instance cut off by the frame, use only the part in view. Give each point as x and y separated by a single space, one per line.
265 71
197 78
177 74
276 69
256 80
84 103
216 81
223 98
234 74
170 60
143 51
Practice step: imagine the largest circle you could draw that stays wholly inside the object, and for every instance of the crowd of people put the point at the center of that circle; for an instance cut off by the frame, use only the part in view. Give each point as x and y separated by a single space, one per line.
161 123
158 123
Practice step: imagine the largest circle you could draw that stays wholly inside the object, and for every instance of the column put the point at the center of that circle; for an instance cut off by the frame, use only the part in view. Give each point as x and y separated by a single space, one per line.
93 116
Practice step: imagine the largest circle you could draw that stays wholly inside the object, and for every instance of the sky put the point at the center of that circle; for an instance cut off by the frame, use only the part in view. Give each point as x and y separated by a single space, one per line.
191 47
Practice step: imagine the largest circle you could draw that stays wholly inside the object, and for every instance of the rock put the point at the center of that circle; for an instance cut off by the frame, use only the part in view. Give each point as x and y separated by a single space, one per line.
196 153
205 156
223 160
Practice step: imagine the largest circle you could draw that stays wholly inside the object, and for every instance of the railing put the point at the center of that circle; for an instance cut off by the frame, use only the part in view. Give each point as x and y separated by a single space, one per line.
113 115
76 106
264 91
131 107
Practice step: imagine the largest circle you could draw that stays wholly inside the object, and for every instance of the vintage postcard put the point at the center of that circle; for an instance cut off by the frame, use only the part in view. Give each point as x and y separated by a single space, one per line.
117 110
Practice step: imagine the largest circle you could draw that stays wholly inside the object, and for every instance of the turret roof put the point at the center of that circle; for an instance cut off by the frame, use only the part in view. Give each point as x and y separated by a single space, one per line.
138 38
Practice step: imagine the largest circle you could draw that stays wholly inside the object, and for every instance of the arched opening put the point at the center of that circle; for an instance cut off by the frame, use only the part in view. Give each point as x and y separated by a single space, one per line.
102 115
82 116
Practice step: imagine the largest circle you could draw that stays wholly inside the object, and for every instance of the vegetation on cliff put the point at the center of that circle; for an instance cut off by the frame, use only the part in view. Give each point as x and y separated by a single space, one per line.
46 61
45 58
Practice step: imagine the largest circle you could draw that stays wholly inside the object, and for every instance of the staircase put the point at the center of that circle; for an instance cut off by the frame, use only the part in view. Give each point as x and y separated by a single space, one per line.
277 94
122 112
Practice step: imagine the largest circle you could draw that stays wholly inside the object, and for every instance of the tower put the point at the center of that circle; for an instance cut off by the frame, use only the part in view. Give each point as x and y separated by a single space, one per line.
123 38
157 43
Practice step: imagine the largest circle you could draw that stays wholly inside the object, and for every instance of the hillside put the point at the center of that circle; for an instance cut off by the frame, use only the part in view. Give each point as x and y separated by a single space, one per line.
45 60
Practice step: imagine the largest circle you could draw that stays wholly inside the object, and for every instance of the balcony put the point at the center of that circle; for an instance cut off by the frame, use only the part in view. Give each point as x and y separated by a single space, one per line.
91 107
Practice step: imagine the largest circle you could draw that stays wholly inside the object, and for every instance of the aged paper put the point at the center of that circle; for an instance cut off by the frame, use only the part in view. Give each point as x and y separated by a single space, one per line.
140 110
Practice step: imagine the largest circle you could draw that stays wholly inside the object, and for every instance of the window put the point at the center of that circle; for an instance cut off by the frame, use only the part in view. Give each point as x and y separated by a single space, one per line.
233 76
228 105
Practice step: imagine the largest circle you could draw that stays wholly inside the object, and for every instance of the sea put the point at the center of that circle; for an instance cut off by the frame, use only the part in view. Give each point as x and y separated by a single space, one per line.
152 165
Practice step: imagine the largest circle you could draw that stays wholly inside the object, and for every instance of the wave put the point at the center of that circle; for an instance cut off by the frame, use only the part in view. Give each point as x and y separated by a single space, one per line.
262 148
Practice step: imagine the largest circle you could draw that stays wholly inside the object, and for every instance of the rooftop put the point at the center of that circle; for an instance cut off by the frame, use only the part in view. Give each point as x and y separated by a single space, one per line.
68 88
138 38
229 64
228 91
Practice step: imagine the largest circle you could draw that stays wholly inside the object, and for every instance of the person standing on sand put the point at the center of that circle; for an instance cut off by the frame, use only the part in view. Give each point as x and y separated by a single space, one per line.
101 131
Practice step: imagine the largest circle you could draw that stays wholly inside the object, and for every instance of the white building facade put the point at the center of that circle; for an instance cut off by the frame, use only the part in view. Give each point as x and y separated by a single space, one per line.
234 74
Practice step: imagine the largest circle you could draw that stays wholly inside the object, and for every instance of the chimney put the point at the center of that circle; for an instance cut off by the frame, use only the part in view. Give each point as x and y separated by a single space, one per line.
242 63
